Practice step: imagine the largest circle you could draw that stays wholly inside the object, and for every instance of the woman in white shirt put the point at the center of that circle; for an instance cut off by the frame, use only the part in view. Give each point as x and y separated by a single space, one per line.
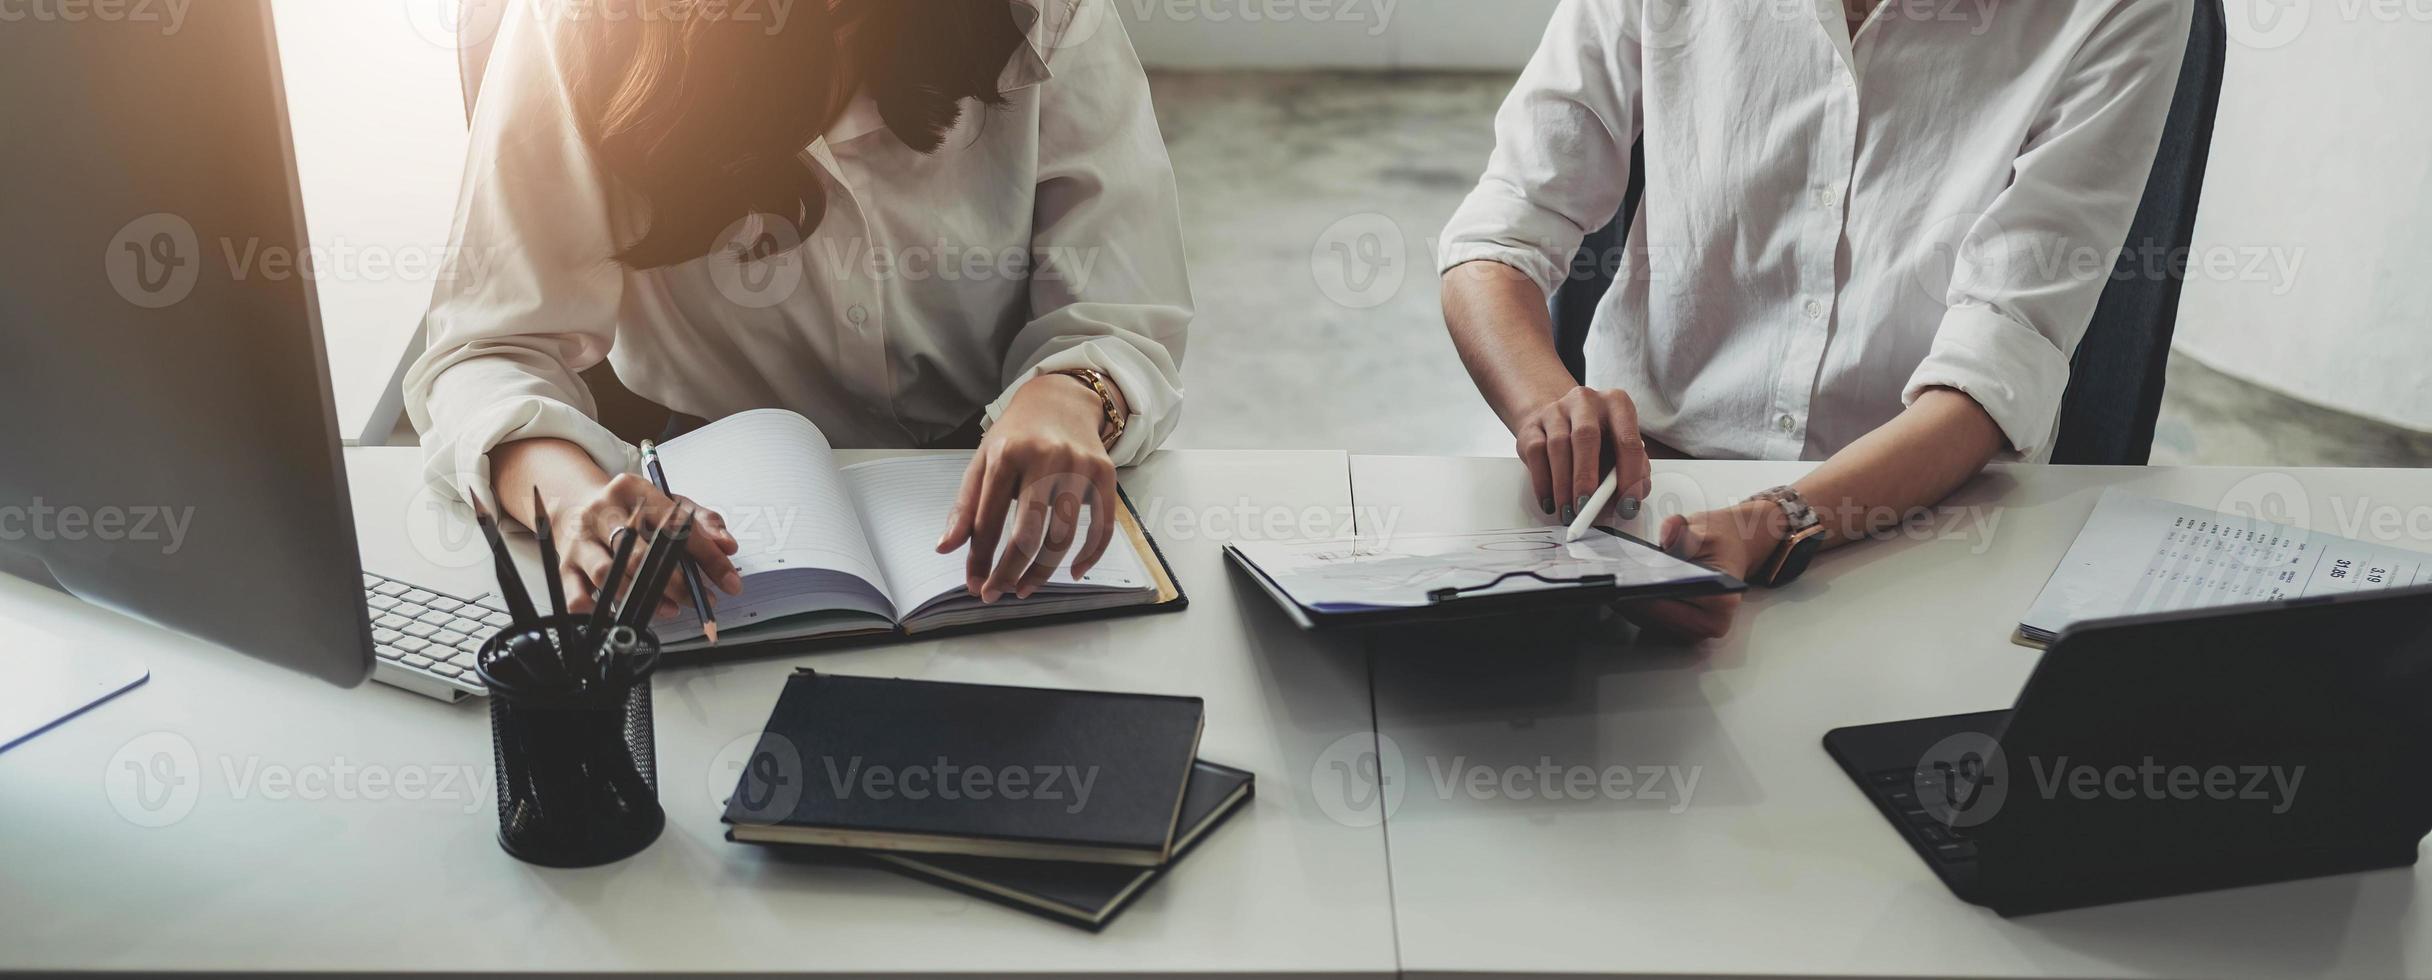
1873 233
908 220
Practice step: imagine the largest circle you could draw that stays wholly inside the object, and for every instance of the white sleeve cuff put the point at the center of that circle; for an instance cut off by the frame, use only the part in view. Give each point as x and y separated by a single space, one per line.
1154 403
2015 373
461 460
1493 226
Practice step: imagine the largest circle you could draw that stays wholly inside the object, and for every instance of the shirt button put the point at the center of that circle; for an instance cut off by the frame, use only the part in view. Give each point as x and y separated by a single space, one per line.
1815 309
1786 423
1827 197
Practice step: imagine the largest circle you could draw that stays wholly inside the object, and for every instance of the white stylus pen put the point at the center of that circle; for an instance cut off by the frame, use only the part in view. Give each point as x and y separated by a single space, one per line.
1586 520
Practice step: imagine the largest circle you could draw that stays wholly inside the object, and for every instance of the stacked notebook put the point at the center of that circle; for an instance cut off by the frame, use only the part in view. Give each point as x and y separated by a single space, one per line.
1067 804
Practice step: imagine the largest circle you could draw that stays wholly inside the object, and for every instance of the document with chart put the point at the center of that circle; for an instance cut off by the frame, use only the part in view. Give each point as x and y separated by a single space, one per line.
1352 577
2141 555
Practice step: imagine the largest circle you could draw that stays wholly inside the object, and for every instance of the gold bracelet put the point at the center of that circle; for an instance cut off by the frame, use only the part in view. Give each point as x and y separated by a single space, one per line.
1112 431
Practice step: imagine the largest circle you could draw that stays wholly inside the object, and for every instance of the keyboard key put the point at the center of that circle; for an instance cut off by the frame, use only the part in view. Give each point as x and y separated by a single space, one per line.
423 630
469 627
419 662
391 621
388 653
370 580
385 636
449 638
412 644
497 620
447 670
392 588
1956 852
445 603
462 658
420 596
434 617
1935 833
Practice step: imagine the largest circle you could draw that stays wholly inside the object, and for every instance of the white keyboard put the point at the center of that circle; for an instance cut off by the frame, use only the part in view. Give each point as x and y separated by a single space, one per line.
424 640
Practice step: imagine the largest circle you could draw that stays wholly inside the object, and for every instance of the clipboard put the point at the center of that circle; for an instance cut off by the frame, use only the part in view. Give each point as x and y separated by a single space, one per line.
1473 601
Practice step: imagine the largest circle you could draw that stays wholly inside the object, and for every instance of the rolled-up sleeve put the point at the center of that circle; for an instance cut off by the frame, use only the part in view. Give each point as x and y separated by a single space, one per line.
531 294
1109 288
1561 163
2013 324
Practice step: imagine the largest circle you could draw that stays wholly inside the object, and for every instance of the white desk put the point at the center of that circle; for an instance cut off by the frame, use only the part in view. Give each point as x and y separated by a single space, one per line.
260 876
1779 866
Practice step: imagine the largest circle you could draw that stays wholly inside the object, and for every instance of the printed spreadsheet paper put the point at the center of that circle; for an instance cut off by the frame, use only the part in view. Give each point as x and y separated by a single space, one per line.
2142 555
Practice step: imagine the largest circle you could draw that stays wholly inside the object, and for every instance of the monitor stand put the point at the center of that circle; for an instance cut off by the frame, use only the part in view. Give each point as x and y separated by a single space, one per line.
47 681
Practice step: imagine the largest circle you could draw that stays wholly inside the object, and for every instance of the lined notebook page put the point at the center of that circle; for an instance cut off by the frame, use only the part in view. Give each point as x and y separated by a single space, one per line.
771 475
904 504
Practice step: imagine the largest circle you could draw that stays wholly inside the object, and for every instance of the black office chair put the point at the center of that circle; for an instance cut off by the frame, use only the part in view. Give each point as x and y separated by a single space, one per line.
2115 383
631 417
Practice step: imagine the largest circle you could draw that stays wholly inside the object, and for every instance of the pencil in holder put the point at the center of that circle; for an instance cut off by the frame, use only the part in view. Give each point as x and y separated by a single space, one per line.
570 720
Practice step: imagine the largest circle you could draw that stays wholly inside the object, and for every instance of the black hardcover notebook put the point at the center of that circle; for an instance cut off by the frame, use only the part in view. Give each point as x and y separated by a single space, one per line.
1010 772
834 555
1086 895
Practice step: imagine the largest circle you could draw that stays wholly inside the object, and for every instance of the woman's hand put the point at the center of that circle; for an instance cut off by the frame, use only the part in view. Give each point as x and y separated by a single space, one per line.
1572 441
1733 541
586 509
1041 463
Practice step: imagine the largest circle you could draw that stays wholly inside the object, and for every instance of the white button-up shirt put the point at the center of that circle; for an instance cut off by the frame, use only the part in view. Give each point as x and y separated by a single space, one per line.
1042 236
1830 228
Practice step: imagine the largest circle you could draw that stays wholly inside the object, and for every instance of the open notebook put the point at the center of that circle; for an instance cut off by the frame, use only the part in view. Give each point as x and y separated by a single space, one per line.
830 551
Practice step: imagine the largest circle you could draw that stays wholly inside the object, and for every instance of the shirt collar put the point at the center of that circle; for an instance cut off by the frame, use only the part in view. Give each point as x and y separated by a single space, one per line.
1833 17
1027 68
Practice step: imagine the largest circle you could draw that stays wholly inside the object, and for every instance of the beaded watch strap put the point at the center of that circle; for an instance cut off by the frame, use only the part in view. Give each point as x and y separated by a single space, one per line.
1111 432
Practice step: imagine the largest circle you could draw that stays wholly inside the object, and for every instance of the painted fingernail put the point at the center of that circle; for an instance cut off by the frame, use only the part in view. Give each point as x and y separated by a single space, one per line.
1629 508
1569 513
1545 505
1583 503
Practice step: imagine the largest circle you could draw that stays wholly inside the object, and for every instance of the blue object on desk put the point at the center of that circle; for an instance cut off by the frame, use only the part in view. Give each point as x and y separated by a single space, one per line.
48 683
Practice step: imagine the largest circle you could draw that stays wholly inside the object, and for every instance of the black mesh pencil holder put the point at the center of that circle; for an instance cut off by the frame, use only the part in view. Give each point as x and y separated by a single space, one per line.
577 764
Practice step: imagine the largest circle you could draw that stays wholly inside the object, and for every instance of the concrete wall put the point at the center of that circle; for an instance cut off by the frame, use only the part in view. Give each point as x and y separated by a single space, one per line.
1370 34
2322 173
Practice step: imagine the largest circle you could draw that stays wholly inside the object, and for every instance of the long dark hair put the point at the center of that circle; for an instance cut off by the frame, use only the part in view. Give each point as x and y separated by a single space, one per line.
705 111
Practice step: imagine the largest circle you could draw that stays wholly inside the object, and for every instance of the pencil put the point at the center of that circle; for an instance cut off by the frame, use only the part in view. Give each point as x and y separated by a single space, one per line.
604 601
642 602
692 571
510 584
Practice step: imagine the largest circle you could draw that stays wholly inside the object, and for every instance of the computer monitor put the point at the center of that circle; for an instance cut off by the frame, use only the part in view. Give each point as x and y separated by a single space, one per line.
167 442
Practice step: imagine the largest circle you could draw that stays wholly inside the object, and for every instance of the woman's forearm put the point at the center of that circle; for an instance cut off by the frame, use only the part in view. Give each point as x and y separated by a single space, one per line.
1505 334
1913 461
560 469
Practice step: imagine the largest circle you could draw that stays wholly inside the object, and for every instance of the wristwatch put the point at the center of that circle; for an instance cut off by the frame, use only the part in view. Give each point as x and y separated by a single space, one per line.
1799 545
1112 431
